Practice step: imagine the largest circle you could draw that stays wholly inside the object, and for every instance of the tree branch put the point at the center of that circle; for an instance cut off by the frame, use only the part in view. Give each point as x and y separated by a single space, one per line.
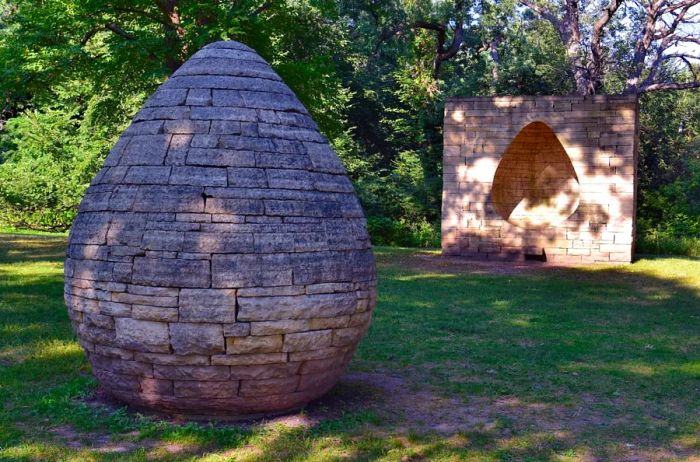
544 13
110 26
597 32
119 31
495 57
441 54
90 34
643 44
267 4
670 86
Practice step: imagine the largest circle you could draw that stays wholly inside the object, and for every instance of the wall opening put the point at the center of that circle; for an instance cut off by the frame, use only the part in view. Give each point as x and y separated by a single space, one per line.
535 184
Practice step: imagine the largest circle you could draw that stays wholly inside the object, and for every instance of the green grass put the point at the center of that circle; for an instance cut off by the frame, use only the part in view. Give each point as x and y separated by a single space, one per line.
28 232
543 364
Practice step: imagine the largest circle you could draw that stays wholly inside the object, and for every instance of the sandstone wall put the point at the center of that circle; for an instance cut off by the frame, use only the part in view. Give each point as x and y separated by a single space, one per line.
540 177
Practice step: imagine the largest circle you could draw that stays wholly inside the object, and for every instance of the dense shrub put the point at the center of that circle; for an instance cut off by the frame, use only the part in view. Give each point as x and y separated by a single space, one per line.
403 233
48 162
669 221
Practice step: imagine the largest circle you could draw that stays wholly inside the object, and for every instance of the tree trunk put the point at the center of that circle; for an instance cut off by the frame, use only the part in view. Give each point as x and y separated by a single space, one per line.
175 49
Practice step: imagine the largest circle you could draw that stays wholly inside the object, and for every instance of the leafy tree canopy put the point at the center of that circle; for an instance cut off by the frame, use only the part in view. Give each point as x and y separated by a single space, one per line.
374 75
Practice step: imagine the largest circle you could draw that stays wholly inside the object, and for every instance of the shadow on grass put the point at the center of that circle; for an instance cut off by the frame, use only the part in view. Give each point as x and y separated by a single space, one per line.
610 356
462 361
16 248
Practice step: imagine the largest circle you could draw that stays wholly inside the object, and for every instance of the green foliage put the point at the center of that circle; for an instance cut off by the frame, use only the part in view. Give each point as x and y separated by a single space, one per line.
671 220
70 83
75 71
49 160
669 174
403 233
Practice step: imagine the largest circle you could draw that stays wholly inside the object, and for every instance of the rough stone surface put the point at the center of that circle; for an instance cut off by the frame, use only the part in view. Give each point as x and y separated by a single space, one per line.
220 262
549 178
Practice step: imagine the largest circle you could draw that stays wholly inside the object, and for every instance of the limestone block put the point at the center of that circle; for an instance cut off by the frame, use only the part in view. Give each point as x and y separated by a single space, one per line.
142 335
251 344
304 341
208 305
190 338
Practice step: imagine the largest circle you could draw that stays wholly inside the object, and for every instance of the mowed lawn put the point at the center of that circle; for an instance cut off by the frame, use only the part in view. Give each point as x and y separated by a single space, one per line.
462 362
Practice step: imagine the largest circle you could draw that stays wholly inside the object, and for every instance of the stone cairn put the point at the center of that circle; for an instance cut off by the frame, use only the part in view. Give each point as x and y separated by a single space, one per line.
220 263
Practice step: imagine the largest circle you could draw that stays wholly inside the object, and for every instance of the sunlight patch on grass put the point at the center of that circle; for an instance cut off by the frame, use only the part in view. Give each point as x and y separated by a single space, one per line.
51 349
681 271
690 368
637 368
29 232
520 322
34 451
502 304
422 276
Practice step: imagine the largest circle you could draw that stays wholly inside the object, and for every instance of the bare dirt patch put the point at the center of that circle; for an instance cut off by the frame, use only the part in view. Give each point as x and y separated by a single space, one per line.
406 408
104 444
434 262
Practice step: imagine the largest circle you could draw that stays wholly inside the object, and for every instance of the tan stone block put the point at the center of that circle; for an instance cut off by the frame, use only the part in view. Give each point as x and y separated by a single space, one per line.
296 307
203 373
247 345
451 151
207 305
157 387
623 238
305 341
270 291
316 354
266 371
625 257
615 248
152 300
331 323
237 329
142 335
206 390
348 336
319 380
359 320
154 313
269 386
167 359
279 327
248 359
322 365
115 352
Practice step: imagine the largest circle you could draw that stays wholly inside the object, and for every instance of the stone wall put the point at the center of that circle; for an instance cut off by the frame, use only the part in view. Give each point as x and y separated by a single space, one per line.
220 262
548 178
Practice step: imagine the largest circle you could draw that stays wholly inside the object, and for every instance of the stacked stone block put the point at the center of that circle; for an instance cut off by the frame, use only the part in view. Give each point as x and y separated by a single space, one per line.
220 262
543 177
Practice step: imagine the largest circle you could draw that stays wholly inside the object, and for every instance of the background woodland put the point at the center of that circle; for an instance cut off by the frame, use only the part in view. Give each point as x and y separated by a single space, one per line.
374 75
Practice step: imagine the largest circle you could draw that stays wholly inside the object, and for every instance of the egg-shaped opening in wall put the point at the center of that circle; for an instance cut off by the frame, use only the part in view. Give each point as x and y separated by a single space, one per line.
535 185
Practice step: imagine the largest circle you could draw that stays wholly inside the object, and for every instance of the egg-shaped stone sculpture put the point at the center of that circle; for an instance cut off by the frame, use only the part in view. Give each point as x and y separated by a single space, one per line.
220 264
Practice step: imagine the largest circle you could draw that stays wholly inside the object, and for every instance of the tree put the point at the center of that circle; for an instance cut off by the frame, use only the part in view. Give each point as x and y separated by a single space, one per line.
660 30
75 71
